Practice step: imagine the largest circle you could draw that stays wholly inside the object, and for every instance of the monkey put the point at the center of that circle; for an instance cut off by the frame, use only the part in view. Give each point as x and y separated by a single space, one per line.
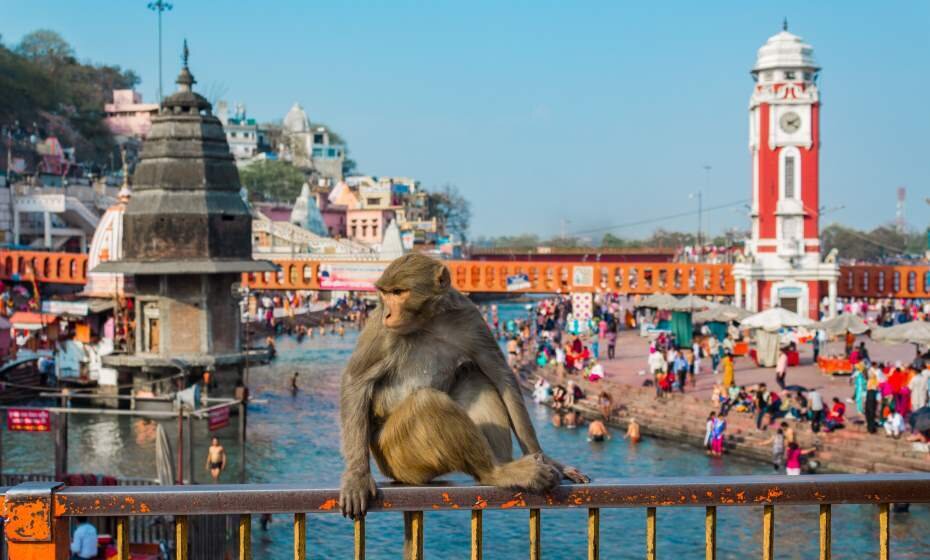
427 391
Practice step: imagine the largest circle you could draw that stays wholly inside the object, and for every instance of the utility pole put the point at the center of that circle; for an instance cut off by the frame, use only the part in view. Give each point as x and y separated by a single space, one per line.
701 204
159 6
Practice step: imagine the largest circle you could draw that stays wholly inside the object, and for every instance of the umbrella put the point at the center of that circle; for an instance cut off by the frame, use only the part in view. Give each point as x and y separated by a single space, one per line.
841 324
657 301
691 303
164 457
915 332
722 314
774 319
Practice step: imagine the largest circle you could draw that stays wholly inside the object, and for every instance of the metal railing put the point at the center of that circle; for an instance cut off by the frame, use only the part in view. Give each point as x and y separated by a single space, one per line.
36 513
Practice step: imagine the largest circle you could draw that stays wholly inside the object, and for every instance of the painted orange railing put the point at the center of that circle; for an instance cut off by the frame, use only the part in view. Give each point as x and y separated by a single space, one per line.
44 267
859 281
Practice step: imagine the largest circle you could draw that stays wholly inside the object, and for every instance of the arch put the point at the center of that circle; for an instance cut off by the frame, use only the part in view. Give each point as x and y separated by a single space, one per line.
795 180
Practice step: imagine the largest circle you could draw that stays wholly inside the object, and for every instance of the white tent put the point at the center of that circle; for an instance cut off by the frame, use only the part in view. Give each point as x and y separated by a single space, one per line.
915 332
691 303
774 319
658 301
722 314
841 324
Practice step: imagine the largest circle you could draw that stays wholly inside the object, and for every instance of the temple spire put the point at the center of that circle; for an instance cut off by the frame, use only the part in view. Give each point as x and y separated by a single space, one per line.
784 27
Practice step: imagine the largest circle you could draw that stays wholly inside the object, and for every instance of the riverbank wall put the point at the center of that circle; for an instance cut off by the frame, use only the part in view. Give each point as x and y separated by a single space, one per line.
682 418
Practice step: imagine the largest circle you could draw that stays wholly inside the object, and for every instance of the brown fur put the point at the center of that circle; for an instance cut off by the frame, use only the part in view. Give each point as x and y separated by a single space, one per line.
433 394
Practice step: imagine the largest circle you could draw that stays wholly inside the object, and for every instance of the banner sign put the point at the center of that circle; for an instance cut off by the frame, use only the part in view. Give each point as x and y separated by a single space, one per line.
218 418
518 282
360 277
28 420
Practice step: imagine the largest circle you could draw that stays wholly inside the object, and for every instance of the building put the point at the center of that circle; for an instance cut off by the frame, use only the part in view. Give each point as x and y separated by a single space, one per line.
306 214
186 240
783 265
310 147
128 116
242 133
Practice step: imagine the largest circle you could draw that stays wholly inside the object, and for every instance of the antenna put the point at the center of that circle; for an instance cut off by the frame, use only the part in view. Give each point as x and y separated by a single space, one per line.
900 223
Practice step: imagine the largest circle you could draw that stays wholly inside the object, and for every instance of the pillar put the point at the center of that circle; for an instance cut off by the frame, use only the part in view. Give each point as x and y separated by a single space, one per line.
831 297
738 293
47 229
15 225
752 303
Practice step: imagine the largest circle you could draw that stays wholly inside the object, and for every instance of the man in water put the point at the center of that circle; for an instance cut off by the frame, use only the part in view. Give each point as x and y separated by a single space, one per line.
632 431
216 459
294 387
597 431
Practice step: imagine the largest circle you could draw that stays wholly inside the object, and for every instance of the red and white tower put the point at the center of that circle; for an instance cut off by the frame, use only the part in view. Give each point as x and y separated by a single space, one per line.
783 265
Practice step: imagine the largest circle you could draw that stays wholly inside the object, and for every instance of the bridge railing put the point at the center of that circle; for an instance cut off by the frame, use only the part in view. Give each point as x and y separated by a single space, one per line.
36 514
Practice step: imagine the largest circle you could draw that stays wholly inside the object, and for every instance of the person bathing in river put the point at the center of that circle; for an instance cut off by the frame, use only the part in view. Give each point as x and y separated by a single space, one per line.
597 431
632 431
216 459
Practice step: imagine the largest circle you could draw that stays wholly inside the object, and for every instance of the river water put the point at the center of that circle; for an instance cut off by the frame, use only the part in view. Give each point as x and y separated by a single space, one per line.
295 439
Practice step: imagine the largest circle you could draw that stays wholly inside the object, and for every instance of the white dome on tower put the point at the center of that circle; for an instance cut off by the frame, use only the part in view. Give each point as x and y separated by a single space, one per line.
296 120
785 50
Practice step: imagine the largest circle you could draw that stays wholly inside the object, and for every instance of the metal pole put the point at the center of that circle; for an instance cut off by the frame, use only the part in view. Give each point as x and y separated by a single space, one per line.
242 424
190 450
180 475
61 445
160 91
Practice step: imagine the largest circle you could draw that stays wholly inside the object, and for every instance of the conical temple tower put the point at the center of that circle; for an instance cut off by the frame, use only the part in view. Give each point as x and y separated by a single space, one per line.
186 241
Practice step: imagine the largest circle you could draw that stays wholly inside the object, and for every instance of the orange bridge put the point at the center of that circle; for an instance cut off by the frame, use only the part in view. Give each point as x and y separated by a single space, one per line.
860 281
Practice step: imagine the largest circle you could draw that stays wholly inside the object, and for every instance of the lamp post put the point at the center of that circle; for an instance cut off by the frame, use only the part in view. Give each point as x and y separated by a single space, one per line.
159 6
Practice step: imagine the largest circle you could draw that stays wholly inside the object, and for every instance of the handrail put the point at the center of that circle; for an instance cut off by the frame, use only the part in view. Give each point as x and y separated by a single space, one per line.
36 513
634 492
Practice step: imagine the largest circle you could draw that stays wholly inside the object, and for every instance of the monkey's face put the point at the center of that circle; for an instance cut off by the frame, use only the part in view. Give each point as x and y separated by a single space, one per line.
394 302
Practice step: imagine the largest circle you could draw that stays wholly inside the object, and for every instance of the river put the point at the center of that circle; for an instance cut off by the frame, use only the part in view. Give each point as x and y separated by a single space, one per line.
295 438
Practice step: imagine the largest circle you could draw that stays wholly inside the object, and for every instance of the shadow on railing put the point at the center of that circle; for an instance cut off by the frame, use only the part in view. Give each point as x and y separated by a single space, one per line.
36 513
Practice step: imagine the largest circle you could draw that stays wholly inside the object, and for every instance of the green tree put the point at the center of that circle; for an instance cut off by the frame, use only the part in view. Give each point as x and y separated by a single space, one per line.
272 180
452 209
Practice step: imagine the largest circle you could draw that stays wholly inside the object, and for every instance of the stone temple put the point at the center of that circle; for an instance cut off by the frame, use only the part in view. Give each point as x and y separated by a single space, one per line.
186 242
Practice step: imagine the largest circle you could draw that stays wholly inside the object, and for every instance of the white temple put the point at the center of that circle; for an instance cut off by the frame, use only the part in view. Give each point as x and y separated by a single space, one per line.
306 214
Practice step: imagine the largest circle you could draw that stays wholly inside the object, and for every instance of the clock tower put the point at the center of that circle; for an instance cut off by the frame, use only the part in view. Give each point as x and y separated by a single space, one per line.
783 265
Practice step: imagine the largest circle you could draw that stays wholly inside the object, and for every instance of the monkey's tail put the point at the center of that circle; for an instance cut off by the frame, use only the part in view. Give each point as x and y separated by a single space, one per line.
530 472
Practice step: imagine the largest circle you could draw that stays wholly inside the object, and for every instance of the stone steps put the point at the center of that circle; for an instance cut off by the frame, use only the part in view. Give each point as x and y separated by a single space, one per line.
681 418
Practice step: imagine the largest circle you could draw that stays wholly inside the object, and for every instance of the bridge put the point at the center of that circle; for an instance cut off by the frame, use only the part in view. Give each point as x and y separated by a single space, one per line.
476 276
37 514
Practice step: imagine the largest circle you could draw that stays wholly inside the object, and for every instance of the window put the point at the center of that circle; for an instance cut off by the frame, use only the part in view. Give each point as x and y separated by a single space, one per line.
767 76
317 138
373 201
789 75
808 76
789 177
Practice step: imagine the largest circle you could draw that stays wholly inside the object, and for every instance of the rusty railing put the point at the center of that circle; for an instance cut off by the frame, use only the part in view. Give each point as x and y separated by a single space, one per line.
36 513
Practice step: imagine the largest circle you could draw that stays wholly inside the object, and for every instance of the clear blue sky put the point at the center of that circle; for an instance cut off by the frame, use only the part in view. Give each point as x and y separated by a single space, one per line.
598 113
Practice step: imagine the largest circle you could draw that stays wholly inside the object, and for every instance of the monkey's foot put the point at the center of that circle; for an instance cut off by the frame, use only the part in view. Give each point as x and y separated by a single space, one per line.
575 475
532 473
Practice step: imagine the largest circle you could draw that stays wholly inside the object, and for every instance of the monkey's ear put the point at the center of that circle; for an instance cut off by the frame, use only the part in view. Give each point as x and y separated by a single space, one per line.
443 279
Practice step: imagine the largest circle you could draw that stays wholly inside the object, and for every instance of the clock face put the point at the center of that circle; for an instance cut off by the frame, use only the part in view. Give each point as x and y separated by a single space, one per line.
790 122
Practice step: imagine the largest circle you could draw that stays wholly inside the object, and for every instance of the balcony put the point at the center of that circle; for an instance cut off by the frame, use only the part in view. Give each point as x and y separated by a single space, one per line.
37 513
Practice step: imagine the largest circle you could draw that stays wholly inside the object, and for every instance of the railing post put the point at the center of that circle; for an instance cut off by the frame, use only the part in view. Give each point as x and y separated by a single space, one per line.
413 535
768 532
31 529
884 531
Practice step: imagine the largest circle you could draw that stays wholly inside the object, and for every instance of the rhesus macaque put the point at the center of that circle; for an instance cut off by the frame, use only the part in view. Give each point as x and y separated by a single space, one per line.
428 392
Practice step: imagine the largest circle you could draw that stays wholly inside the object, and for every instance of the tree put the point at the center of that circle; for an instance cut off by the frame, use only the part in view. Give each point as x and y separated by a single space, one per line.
45 45
452 210
881 243
272 180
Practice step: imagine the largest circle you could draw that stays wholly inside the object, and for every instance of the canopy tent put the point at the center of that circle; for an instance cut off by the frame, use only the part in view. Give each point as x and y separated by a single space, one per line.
658 301
691 303
776 318
31 321
841 324
915 332
721 314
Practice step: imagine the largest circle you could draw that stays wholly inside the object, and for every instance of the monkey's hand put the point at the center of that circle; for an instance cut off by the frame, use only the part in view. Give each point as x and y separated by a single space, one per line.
569 472
358 488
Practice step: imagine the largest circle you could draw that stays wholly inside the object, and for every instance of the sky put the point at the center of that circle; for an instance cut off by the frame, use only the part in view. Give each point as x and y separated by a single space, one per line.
549 117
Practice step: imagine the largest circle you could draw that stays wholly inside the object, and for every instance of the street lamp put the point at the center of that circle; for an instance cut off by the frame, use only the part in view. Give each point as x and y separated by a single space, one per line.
159 6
